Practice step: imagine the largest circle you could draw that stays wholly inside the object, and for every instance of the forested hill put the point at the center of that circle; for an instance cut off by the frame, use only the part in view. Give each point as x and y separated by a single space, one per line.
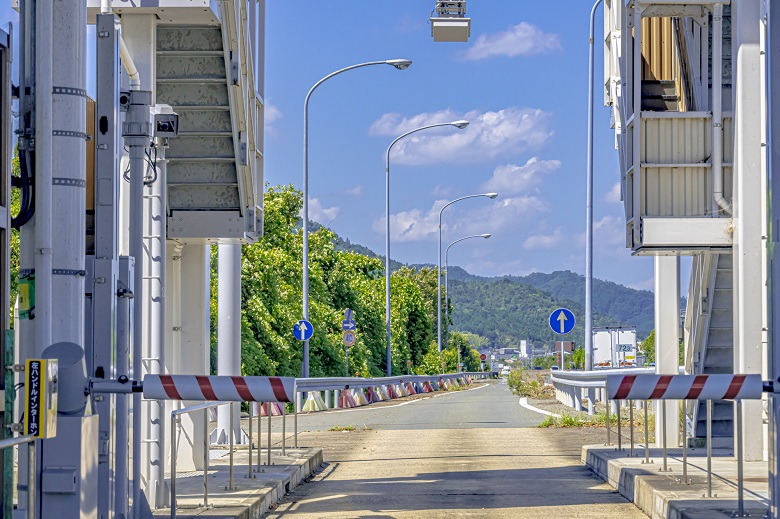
504 311
474 296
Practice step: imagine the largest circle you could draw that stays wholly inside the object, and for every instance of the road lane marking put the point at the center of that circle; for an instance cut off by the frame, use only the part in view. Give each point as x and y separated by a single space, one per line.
524 403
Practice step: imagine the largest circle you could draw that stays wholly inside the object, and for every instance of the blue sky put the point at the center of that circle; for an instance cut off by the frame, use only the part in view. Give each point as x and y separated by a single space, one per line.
521 81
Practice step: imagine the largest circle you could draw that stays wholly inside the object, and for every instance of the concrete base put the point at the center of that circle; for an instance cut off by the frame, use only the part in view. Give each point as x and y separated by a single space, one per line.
661 495
251 497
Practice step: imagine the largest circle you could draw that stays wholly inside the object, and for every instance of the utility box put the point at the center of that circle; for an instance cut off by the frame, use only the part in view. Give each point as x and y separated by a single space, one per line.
450 23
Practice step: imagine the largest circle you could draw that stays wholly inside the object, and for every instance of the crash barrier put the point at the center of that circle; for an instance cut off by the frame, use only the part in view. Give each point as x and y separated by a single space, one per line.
570 385
736 387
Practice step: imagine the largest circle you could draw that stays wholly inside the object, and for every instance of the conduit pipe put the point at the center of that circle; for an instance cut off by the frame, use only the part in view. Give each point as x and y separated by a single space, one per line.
127 61
717 109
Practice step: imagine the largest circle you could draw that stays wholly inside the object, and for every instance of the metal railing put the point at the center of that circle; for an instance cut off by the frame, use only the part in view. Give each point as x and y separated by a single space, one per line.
305 385
176 422
30 441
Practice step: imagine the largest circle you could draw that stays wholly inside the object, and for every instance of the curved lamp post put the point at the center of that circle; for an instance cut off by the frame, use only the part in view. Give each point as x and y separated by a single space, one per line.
457 124
447 257
438 273
400 64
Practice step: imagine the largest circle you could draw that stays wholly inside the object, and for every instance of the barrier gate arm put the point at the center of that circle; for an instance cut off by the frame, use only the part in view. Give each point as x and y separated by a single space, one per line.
689 387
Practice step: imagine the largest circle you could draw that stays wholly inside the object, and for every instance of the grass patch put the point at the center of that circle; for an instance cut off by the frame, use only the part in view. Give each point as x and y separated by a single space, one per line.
348 428
568 420
529 384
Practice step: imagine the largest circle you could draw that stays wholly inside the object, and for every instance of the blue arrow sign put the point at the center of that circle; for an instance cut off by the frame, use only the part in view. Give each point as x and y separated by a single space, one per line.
562 321
303 330
348 325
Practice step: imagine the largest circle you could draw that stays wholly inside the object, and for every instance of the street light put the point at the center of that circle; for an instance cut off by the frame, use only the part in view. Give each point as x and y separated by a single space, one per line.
447 257
400 64
457 124
447 268
438 273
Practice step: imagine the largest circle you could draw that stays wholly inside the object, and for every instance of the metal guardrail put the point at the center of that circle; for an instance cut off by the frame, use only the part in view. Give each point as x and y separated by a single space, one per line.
7 443
304 385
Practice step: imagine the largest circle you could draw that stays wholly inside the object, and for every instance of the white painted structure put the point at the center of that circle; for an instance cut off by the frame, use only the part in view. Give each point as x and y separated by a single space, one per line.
692 182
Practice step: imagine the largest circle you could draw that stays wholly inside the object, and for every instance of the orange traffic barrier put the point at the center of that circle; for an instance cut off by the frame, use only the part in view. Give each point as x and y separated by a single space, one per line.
410 388
360 397
346 400
371 395
276 409
391 391
427 386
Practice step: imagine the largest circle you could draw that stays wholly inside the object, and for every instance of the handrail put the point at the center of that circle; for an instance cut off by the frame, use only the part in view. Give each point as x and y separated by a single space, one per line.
326 383
29 439
175 419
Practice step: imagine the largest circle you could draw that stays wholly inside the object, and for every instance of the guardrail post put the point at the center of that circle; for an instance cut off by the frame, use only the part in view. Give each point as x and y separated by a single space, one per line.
647 435
665 468
31 480
631 419
206 458
268 414
174 418
709 448
250 440
284 429
740 471
230 433
684 479
619 432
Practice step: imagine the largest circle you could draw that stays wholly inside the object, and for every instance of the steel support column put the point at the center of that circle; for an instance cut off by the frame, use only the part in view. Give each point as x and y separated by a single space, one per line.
229 333
667 339
748 247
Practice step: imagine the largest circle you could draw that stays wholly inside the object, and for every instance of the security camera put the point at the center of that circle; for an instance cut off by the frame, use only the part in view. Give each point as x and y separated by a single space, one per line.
166 125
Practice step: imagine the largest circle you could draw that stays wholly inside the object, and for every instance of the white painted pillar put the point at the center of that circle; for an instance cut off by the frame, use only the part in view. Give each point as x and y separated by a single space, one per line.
667 337
229 333
748 247
192 274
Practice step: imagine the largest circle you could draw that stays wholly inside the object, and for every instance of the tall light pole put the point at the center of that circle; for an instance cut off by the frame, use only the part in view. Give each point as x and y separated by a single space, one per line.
400 64
438 273
457 124
589 208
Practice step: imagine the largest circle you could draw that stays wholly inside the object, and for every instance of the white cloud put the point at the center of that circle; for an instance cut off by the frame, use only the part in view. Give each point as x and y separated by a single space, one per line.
420 224
355 191
440 190
544 240
489 135
510 178
648 284
609 230
613 195
321 214
271 115
522 39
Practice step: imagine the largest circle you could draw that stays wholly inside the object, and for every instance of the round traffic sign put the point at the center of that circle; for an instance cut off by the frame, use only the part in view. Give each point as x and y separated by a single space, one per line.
562 321
303 330
349 338
482 356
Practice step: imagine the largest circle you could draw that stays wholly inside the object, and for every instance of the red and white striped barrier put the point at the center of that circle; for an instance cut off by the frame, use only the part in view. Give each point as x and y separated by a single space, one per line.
219 388
684 387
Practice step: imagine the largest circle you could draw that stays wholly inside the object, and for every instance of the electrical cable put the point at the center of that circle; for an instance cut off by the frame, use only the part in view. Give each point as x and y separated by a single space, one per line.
25 183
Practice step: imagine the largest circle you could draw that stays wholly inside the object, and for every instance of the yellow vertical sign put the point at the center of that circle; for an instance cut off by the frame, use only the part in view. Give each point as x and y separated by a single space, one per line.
40 410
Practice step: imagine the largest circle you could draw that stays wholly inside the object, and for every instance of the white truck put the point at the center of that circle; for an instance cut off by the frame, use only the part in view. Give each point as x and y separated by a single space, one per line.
614 347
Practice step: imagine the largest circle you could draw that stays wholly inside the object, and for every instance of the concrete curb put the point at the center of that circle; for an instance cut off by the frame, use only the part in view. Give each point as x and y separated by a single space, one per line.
660 495
524 403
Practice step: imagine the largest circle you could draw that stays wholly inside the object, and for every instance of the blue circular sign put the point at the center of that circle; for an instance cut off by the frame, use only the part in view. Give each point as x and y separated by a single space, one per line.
562 321
303 330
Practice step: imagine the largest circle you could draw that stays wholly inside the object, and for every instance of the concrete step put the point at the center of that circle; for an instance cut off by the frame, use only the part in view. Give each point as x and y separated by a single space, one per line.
189 38
720 338
170 67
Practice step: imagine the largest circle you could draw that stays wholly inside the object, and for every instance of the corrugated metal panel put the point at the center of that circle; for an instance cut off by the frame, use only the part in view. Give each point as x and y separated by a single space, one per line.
659 56
676 171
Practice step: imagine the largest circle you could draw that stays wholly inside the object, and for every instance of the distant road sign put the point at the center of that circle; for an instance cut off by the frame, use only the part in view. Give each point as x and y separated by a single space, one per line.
303 330
349 338
562 321
482 357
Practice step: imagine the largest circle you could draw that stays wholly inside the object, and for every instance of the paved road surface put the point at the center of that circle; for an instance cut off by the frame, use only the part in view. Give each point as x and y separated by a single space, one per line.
465 454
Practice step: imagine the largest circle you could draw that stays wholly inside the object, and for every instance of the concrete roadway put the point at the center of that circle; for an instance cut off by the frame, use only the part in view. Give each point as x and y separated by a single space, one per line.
471 453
